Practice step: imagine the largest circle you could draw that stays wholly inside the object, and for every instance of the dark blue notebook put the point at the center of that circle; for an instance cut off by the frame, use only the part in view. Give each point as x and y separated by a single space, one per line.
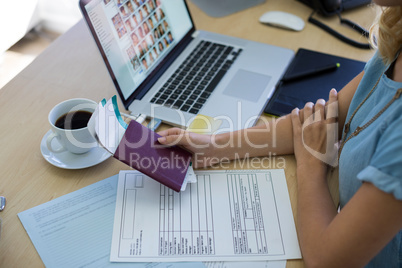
292 94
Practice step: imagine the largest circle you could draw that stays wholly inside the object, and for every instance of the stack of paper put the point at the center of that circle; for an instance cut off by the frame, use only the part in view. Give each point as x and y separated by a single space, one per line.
226 219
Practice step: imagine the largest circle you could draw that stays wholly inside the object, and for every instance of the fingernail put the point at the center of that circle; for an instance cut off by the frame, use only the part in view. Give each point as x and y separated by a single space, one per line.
162 139
333 91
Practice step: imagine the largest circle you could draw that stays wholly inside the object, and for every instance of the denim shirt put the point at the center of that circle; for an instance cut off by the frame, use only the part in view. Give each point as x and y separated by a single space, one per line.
375 155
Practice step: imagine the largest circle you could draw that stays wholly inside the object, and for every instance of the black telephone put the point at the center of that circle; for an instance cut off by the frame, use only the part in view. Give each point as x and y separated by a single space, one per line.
335 7
326 7
331 7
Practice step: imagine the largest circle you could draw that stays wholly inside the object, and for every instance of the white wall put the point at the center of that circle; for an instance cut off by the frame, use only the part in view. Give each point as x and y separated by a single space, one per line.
16 19
59 15
19 17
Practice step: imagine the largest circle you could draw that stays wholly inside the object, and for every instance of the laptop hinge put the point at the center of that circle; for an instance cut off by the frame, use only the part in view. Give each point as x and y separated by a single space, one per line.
195 34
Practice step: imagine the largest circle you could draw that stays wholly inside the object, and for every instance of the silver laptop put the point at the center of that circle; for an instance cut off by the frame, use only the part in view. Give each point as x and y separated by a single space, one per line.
162 67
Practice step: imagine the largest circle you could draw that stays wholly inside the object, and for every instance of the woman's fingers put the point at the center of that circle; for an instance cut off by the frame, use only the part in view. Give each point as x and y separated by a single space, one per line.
332 108
171 131
173 136
296 125
308 113
319 110
296 118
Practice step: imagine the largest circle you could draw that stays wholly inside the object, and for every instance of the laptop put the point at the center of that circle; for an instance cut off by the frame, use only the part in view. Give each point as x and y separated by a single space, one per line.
162 67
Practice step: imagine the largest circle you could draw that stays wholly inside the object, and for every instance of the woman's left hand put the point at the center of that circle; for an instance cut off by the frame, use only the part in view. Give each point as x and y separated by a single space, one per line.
315 133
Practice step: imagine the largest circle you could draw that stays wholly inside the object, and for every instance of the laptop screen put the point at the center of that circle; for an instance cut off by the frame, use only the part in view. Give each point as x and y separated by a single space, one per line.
135 36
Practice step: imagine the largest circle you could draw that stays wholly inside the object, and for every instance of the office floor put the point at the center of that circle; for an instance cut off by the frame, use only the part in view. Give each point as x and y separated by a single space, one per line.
20 55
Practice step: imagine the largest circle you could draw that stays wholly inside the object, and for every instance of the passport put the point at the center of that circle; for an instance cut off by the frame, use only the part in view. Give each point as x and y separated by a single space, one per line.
138 147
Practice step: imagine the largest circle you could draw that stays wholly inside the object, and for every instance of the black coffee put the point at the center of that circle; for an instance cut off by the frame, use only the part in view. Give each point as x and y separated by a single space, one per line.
73 120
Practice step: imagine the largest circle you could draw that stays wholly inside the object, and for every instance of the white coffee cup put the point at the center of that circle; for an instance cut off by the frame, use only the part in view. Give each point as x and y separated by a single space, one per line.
77 141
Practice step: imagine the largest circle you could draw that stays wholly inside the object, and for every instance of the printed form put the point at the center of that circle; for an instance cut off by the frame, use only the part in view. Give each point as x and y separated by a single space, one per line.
75 230
237 215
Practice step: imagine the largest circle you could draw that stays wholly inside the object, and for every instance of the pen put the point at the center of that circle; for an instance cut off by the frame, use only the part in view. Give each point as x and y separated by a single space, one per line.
139 118
311 72
2 203
2 206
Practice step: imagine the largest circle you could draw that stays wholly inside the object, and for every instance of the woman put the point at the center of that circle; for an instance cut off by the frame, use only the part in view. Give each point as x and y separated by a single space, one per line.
367 230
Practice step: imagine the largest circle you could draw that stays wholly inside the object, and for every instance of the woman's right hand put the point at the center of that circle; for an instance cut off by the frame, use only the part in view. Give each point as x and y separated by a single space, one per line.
203 147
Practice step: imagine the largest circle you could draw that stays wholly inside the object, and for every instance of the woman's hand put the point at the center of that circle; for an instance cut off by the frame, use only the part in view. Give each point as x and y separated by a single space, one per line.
203 147
315 131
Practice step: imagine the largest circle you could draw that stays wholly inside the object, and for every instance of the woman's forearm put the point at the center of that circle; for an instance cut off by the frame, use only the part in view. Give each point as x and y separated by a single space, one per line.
274 137
315 211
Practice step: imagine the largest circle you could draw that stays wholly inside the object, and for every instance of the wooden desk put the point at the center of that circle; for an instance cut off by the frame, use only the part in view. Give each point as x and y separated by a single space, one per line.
72 67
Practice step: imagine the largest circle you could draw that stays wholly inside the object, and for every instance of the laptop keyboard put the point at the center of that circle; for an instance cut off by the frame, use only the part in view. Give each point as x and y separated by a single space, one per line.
193 82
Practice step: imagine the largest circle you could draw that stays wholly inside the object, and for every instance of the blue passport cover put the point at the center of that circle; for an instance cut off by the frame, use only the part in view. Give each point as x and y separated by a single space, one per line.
292 94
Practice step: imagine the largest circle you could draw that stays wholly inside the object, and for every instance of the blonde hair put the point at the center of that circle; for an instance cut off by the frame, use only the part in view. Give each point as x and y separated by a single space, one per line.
388 32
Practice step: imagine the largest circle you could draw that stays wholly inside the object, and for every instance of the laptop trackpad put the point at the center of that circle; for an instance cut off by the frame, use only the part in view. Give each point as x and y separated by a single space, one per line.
247 85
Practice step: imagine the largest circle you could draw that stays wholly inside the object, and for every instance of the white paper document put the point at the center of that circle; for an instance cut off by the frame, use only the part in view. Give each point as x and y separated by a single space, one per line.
75 230
240 264
238 215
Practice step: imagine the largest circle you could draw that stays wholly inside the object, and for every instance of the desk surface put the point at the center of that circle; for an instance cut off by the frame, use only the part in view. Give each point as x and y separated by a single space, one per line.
72 67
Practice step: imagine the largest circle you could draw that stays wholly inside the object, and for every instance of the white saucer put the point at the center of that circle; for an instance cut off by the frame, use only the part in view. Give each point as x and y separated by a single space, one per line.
69 160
